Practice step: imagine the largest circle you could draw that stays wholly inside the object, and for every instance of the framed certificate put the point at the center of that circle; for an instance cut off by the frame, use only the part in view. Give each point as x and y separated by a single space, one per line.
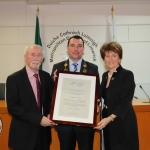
75 98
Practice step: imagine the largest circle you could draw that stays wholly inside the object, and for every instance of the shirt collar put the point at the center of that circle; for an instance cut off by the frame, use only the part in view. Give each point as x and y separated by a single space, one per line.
78 62
30 72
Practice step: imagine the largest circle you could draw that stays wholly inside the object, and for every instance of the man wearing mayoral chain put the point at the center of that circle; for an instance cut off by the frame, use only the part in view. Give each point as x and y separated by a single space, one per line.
69 134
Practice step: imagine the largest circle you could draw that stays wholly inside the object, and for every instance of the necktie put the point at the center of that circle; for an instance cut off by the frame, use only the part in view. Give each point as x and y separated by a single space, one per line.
38 86
75 67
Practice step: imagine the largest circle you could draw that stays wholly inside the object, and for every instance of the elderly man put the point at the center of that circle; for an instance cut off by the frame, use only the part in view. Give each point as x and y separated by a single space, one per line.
29 94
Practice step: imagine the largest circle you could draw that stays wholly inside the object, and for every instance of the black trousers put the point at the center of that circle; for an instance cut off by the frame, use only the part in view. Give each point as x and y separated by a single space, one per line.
68 140
42 141
41 144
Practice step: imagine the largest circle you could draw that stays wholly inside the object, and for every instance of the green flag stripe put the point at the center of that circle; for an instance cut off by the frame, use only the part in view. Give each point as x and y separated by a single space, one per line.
37 34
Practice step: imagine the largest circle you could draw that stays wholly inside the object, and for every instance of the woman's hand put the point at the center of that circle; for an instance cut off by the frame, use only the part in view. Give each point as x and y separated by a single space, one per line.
103 123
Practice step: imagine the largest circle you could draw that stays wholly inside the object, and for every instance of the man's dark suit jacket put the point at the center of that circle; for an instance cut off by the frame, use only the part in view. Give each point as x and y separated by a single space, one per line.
91 68
22 106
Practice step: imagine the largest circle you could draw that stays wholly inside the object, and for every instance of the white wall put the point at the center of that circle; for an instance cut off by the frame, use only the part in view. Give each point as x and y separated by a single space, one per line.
17 30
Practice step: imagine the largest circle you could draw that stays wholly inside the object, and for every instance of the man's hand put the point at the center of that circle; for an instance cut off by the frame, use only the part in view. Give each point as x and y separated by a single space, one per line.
46 122
98 107
55 75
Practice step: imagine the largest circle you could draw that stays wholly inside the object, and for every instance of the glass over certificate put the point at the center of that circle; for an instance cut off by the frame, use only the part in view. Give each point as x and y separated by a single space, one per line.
75 99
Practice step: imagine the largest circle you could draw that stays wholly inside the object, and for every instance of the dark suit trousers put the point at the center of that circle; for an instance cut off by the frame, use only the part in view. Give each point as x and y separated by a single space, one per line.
68 140
41 144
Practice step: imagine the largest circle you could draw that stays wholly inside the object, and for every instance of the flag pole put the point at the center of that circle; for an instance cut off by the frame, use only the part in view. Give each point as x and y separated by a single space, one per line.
37 10
37 31
113 25
112 10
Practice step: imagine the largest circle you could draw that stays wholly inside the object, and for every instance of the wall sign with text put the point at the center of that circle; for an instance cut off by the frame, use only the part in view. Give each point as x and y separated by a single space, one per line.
64 36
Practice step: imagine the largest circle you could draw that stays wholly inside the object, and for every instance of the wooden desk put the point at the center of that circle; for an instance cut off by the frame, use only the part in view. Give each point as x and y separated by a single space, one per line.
5 119
142 111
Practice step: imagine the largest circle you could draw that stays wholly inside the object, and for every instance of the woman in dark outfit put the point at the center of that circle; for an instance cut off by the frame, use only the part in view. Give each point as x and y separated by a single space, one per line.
118 123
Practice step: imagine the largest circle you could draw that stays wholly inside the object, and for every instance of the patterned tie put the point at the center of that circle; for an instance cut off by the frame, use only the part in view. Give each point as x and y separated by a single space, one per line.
38 91
75 67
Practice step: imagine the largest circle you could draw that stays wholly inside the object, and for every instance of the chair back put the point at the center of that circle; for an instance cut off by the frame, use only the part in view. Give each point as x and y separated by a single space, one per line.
2 91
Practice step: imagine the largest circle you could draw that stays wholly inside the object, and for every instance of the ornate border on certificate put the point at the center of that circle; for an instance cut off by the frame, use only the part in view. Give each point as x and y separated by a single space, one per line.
75 98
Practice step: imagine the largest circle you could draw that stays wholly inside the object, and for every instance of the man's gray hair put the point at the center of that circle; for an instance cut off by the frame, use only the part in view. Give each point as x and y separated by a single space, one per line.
33 45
